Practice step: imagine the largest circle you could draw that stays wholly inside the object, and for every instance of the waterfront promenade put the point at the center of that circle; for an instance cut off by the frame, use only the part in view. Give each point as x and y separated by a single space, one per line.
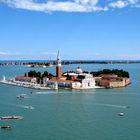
26 85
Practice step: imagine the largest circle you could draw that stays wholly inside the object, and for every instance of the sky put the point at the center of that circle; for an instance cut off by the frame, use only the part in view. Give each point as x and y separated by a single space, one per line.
79 29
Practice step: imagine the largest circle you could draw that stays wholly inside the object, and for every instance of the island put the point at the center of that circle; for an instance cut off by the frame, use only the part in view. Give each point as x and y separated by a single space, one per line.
77 79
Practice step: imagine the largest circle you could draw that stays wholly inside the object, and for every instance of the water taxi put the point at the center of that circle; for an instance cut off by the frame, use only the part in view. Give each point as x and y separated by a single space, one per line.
11 118
21 96
5 127
121 114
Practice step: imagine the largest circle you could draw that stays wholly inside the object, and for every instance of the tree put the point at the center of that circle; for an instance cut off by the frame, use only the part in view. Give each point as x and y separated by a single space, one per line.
38 74
25 74
120 73
32 73
45 74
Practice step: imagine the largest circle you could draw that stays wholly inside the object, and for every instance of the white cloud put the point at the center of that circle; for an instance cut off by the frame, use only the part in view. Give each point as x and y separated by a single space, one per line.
50 53
9 53
122 3
137 6
4 53
132 1
129 56
68 6
118 4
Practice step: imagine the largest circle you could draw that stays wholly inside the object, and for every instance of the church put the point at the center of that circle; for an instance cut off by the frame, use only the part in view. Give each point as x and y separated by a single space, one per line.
74 80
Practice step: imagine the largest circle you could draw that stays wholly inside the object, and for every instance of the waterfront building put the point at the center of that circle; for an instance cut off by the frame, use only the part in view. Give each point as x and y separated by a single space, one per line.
80 80
120 82
112 80
84 81
26 79
45 80
79 70
76 80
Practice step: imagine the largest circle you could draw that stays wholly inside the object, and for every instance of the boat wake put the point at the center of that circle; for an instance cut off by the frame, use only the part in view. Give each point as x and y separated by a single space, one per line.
21 96
62 92
25 106
112 105
44 93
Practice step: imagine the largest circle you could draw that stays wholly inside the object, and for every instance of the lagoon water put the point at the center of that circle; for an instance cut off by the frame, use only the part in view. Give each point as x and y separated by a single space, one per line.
67 114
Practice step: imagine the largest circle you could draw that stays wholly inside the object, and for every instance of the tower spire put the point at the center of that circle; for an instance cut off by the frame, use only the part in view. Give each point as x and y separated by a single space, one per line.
58 67
58 59
58 55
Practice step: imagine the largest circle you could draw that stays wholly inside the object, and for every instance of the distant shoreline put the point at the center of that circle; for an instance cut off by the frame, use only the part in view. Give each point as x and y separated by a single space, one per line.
66 62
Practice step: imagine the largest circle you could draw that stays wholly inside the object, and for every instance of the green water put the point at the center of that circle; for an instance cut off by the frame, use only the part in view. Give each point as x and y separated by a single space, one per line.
66 114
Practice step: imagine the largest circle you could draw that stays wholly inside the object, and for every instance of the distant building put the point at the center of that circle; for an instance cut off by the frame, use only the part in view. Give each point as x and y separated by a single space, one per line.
112 80
26 79
108 75
121 82
84 81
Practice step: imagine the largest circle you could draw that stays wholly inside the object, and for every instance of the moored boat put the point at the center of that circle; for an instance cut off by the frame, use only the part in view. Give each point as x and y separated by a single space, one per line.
21 96
11 118
121 114
5 127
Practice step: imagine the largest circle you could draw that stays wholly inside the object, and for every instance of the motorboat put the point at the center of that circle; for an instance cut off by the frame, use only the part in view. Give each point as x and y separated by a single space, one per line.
121 114
5 127
30 107
21 96
11 118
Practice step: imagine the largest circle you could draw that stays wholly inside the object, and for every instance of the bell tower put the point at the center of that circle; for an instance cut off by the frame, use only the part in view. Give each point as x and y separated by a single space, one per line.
58 67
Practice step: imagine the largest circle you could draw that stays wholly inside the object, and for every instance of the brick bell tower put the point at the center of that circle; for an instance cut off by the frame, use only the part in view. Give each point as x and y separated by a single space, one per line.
58 67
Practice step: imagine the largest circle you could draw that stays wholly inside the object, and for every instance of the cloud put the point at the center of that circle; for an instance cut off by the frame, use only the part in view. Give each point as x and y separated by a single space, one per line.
9 53
68 6
50 53
129 56
133 1
4 53
137 6
118 4
122 3
29 53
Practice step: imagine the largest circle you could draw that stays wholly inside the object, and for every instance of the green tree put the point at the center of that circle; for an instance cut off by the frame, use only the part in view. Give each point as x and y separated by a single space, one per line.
45 74
120 73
